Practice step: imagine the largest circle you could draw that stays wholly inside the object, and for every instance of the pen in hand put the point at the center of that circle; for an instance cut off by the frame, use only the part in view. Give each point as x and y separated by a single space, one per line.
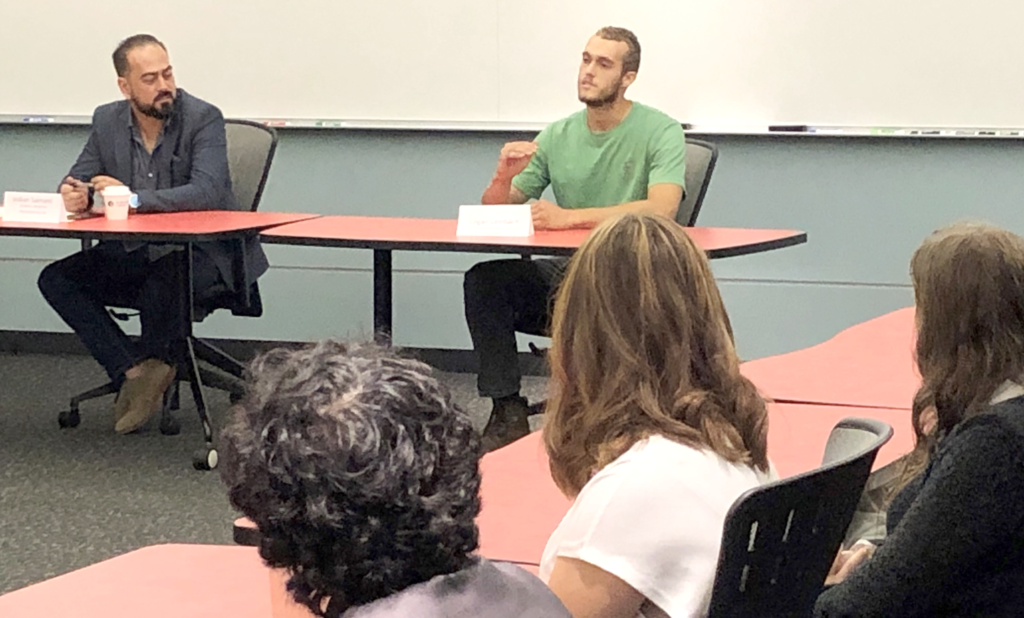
78 184
76 197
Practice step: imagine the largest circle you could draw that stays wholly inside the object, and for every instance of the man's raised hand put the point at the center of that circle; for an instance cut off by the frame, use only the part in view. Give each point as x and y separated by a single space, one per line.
514 158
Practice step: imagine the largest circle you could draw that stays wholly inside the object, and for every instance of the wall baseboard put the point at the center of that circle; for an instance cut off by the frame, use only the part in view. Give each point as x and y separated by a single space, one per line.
443 359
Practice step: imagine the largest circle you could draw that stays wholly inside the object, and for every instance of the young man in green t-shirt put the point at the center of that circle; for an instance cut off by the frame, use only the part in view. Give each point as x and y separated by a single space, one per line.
612 157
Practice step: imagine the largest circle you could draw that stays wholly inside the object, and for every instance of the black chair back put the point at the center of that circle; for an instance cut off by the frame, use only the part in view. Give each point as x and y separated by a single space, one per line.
700 163
780 539
251 148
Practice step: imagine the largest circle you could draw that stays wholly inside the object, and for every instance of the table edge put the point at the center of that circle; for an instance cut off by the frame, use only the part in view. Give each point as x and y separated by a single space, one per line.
797 238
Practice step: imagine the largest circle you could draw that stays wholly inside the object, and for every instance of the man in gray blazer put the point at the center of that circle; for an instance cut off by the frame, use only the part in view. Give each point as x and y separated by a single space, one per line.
169 148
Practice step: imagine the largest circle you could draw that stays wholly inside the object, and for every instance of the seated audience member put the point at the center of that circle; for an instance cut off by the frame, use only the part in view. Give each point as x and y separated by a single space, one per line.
651 428
362 477
955 543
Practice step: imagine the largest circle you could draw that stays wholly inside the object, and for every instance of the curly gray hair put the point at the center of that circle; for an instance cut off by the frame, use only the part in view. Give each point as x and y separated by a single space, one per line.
359 471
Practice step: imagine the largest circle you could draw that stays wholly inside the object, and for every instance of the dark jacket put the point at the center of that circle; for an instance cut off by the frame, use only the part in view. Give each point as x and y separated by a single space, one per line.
956 539
195 149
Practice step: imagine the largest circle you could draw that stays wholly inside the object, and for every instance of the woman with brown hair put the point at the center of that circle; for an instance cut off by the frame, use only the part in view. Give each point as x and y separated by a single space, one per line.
956 532
650 428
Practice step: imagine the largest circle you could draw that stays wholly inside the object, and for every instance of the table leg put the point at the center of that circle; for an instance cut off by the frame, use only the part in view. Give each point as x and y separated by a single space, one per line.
382 294
189 293
206 458
195 379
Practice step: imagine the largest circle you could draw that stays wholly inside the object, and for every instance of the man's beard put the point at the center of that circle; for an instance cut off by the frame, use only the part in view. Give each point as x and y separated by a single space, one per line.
603 98
158 110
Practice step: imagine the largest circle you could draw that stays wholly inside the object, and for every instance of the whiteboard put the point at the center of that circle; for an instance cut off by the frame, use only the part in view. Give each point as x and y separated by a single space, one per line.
379 59
722 63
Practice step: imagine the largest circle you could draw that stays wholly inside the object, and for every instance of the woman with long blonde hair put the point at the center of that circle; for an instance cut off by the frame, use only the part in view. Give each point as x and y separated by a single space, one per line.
650 428
955 543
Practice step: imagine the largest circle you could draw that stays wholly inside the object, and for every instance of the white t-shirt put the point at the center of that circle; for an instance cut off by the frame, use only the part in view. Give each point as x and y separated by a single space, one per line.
653 518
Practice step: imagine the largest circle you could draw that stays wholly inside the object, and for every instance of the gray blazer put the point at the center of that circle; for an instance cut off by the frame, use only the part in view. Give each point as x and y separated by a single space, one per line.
195 143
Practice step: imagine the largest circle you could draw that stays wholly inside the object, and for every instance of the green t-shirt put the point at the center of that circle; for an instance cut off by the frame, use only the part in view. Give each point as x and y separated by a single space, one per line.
588 170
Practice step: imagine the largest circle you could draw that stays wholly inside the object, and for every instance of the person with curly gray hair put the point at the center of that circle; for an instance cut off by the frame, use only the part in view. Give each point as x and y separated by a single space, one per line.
363 479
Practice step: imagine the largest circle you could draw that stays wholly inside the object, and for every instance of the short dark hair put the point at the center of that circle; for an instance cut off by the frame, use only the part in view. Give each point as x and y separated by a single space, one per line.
125 46
359 471
631 61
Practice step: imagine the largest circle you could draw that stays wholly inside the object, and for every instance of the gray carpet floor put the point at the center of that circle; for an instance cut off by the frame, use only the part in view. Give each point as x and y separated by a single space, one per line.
73 497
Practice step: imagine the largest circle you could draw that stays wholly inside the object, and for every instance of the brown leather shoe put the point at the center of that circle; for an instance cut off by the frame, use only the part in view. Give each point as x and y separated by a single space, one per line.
142 395
120 404
509 421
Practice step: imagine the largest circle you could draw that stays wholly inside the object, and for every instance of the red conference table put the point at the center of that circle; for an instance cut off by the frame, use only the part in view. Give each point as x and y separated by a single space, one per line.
172 581
179 228
170 227
522 506
386 234
176 581
869 365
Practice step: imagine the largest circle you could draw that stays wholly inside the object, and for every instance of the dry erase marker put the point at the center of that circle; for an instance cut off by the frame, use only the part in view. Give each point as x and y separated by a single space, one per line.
35 119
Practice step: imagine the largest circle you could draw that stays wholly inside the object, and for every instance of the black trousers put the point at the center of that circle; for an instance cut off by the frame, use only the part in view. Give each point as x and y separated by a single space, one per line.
502 297
81 286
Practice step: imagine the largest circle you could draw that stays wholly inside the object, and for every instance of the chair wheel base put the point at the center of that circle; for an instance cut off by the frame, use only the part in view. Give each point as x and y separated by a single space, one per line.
170 426
205 459
68 419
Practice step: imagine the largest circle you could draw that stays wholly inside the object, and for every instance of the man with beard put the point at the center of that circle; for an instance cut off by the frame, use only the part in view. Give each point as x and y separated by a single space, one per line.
614 156
170 149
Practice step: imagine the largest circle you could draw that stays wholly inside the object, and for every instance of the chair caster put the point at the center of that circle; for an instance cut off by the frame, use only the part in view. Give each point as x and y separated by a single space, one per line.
205 459
170 426
69 419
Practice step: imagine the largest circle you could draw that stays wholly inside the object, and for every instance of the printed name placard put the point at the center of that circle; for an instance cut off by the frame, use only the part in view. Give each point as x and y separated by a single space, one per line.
495 220
34 207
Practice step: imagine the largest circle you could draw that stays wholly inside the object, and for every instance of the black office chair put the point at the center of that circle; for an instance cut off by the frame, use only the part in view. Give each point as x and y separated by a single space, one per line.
250 148
779 540
701 157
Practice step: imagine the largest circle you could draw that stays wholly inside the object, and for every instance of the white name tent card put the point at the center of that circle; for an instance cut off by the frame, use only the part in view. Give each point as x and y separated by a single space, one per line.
34 207
513 220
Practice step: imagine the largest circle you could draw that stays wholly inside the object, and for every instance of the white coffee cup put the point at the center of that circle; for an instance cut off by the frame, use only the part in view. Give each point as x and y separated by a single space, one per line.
115 202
